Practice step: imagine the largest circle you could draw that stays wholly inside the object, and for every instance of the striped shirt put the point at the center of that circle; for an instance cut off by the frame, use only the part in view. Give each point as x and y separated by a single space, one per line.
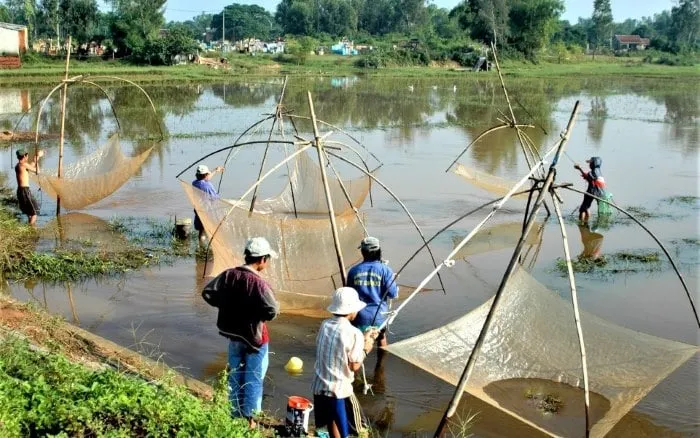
338 343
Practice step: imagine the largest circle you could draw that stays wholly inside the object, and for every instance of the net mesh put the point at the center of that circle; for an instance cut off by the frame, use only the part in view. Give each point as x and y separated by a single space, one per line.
93 177
497 237
306 191
531 351
491 183
306 272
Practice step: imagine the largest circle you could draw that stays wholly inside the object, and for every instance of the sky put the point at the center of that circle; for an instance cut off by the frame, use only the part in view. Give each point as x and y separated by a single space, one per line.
181 10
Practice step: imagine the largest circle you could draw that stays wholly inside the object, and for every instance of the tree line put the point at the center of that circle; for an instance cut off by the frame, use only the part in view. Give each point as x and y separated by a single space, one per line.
519 28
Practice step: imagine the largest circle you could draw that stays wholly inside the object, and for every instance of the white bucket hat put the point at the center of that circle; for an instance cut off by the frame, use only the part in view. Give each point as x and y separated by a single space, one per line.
345 302
259 246
202 169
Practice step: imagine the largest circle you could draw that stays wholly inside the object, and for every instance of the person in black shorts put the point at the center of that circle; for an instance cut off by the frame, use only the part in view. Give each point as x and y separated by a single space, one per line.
596 186
27 203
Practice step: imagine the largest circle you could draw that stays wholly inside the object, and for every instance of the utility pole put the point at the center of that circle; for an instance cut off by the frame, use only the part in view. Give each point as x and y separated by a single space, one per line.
223 28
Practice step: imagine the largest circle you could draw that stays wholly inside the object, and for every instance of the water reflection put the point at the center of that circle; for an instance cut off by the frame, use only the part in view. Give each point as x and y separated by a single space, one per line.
592 242
596 119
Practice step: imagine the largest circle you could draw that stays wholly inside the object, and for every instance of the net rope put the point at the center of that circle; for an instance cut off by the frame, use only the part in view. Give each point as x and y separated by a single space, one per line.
533 347
91 178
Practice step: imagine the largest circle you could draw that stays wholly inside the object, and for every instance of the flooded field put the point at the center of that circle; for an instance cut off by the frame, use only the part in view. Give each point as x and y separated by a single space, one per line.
646 131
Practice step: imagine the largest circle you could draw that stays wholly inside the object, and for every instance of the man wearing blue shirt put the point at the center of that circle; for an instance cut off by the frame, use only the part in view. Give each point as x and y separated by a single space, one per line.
202 182
374 282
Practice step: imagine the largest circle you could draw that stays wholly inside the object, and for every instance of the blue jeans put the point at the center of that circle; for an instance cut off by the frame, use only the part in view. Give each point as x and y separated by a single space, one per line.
247 368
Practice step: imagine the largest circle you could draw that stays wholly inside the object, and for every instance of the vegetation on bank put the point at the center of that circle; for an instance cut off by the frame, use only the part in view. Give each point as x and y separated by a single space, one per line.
50 72
43 393
128 244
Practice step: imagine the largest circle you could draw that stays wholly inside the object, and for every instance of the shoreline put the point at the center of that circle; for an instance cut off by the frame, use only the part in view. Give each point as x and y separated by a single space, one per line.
243 67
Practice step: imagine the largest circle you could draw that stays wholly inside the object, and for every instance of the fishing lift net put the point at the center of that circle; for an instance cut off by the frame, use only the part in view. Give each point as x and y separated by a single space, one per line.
486 181
497 237
93 177
307 269
532 348
305 191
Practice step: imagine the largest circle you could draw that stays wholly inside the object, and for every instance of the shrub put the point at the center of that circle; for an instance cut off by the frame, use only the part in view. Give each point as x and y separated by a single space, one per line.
44 394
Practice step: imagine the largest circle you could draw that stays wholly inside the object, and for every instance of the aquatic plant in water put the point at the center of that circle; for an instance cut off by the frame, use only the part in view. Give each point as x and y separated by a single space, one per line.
546 403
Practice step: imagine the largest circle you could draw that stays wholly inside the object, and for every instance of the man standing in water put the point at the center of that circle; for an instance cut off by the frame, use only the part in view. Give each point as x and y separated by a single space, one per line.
27 203
245 301
340 351
203 175
596 186
375 284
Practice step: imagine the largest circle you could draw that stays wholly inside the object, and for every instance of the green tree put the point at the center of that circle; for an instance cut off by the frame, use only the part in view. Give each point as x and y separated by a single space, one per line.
685 28
244 21
486 20
135 22
296 17
532 23
79 18
602 24
199 25
50 18
4 14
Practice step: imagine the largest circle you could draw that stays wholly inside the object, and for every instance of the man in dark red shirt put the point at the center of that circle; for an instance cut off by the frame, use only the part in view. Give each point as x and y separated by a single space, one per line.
245 301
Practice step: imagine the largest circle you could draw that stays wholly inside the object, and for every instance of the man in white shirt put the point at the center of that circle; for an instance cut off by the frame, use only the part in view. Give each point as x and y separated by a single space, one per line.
340 350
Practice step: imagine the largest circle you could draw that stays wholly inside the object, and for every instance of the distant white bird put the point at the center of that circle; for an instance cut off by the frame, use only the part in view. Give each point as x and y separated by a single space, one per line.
410 88
434 87
454 88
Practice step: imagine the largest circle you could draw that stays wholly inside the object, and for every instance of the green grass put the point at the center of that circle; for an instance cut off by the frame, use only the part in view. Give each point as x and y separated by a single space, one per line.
619 262
44 394
44 71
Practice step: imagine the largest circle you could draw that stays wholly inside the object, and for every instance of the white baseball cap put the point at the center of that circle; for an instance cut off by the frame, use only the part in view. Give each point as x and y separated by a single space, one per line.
202 169
259 246
345 302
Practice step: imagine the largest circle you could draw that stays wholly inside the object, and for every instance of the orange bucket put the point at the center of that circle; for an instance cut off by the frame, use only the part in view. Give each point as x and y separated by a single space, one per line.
298 412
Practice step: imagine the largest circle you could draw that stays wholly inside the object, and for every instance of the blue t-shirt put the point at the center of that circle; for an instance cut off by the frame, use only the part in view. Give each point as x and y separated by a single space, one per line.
371 280
206 187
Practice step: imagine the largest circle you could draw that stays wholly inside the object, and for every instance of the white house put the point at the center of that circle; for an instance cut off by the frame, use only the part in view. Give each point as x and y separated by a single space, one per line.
13 43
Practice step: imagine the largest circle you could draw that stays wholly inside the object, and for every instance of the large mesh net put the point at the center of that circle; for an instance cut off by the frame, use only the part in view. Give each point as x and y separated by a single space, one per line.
306 272
530 360
491 183
93 177
497 237
306 193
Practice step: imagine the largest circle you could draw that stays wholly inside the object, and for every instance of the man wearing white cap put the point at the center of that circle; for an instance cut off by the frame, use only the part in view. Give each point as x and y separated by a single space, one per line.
203 175
340 351
245 301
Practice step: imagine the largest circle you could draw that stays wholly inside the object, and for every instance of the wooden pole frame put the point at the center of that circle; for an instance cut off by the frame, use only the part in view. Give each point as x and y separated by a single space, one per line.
318 143
452 408
64 95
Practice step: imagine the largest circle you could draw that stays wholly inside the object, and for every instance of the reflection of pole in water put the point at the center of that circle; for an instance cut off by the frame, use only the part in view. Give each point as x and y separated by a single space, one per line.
69 290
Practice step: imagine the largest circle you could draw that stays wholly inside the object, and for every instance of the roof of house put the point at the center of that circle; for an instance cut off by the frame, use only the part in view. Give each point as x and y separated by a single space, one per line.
632 39
12 26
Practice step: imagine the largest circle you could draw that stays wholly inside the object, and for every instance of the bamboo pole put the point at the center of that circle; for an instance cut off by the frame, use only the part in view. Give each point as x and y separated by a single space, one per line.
449 259
278 116
401 204
347 194
452 408
64 95
577 315
479 137
329 201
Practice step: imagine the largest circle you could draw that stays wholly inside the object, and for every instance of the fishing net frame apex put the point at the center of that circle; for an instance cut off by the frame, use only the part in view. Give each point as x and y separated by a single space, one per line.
65 83
328 149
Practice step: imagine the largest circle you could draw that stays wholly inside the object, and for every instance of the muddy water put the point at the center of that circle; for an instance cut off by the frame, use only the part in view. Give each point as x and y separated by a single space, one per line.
647 132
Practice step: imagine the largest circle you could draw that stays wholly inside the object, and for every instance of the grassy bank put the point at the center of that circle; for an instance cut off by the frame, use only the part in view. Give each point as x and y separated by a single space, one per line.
55 381
51 71
87 249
